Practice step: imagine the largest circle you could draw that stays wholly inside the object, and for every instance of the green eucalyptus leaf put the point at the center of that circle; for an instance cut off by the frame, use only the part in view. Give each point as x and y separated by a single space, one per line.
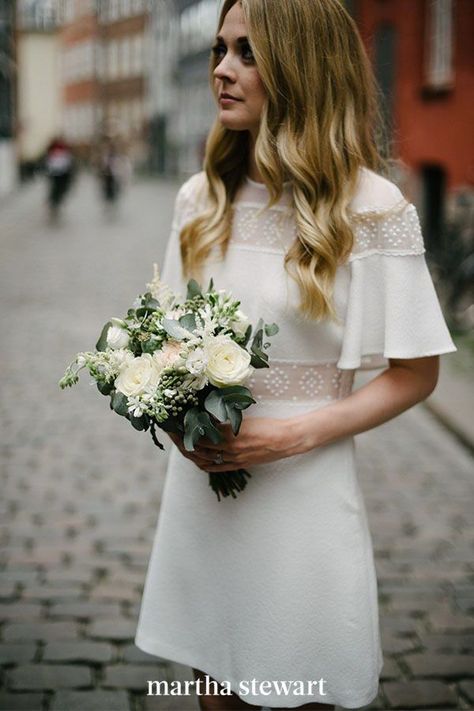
105 388
215 404
196 424
174 329
271 329
188 321
235 417
101 344
140 423
211 284
119 403
151 303
193 289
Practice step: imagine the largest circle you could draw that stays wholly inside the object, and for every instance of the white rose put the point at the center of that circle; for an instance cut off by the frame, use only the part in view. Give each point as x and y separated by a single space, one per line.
228 363
169 354
196 361
117 337
240 323
138 375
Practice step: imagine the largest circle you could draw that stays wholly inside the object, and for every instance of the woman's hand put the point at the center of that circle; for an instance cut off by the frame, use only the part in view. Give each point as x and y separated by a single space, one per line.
260 440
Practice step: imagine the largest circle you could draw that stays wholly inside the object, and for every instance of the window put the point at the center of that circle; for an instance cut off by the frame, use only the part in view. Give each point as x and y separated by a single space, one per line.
439 45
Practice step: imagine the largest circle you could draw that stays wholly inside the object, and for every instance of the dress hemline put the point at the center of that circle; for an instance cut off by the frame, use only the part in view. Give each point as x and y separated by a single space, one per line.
166 651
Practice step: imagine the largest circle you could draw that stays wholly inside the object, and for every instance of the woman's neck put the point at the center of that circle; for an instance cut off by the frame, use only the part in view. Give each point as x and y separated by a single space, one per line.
253 171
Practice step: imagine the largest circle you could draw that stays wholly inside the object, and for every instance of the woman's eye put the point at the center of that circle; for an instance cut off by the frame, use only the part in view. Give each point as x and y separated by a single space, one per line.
219 50
247 52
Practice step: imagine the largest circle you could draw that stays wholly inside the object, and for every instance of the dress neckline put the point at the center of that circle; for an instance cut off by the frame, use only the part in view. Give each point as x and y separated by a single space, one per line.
262 186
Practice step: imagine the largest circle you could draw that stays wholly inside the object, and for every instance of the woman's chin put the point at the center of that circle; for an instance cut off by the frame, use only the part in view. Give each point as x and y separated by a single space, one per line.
232 122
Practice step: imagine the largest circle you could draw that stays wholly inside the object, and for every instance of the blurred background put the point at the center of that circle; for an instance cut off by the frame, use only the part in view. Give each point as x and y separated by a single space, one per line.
104 110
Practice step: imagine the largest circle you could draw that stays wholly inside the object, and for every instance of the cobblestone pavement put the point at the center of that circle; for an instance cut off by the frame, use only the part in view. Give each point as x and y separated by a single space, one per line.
81 490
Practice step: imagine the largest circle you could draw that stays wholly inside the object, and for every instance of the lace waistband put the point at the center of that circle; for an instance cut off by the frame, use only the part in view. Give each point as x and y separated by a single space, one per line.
300 382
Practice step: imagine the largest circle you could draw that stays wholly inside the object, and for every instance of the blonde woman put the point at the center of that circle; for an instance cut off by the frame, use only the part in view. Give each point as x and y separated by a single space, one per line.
273 595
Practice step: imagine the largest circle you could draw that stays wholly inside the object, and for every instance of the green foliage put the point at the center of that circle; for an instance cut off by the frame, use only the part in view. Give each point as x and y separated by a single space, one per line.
101 344
227 404
193 289
198 424
119 403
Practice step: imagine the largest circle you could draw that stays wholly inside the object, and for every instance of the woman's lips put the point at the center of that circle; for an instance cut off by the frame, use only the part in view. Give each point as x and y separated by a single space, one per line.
225 100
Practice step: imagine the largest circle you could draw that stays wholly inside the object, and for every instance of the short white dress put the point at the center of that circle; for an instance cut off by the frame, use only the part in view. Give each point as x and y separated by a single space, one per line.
279 584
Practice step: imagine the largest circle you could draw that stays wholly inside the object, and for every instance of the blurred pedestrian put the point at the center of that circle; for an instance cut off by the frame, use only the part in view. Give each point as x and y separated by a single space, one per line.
59 167
114 170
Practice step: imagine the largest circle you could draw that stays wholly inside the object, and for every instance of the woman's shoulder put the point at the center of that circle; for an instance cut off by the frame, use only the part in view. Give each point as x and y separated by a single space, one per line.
193 190
375 193
384 222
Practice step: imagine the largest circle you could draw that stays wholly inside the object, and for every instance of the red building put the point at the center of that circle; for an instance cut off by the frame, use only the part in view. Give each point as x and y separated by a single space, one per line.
423 56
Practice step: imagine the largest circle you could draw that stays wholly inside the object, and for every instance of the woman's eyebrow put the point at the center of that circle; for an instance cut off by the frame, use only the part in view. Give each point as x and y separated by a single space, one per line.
240 40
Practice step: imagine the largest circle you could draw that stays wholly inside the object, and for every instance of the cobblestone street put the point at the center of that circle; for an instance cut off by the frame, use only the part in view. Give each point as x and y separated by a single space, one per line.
81 489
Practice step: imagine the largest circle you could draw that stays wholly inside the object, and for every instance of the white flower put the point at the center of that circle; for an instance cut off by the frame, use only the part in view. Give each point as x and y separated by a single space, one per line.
240 323
119 358
169 354
196 361
138 375
135 406
117 337
228 363
175 314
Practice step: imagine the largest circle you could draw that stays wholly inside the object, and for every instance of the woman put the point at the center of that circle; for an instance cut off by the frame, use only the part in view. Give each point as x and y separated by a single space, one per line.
291 217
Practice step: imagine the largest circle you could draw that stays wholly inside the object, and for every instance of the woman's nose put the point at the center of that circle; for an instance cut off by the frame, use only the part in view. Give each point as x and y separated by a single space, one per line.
225 70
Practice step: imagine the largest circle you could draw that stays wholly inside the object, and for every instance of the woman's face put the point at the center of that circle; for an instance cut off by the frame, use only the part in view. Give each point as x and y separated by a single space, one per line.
239 89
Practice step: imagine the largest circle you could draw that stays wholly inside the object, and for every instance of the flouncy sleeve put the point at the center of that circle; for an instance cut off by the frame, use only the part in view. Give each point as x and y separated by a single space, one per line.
187 204
393 310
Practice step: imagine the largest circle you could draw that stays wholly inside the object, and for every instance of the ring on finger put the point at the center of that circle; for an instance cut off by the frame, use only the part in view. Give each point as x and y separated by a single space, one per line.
219 459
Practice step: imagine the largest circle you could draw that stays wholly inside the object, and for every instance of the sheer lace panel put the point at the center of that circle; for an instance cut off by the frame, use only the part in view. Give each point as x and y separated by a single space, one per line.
300 382
394 231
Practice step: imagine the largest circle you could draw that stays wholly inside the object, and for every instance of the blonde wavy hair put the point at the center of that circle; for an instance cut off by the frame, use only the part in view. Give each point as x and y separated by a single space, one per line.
316 130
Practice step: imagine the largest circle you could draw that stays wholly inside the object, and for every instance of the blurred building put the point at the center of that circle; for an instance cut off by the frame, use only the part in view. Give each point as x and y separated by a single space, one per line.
106 70
183 108
7 96
80 88
423 55
39 101
123 72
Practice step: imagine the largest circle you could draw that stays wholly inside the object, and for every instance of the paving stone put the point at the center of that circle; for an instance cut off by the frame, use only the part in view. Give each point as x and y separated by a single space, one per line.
398 645
119 629
390 670
42 631
33 677
463 643
131 676
447 666
84 610
52 594
418 694
21 702
8 591
16 653
92 652
99 700
446 621
133 654
20 611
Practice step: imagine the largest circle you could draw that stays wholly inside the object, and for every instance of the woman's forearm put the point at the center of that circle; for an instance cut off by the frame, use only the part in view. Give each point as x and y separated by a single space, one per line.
393 391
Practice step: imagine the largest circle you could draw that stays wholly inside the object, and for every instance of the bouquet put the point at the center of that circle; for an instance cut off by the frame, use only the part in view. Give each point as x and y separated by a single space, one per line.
179 366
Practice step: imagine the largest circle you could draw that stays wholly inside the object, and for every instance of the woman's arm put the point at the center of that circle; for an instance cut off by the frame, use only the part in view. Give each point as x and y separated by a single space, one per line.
399 387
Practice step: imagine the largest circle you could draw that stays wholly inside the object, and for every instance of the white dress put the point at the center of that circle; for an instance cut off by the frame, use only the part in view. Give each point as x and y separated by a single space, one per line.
280 584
